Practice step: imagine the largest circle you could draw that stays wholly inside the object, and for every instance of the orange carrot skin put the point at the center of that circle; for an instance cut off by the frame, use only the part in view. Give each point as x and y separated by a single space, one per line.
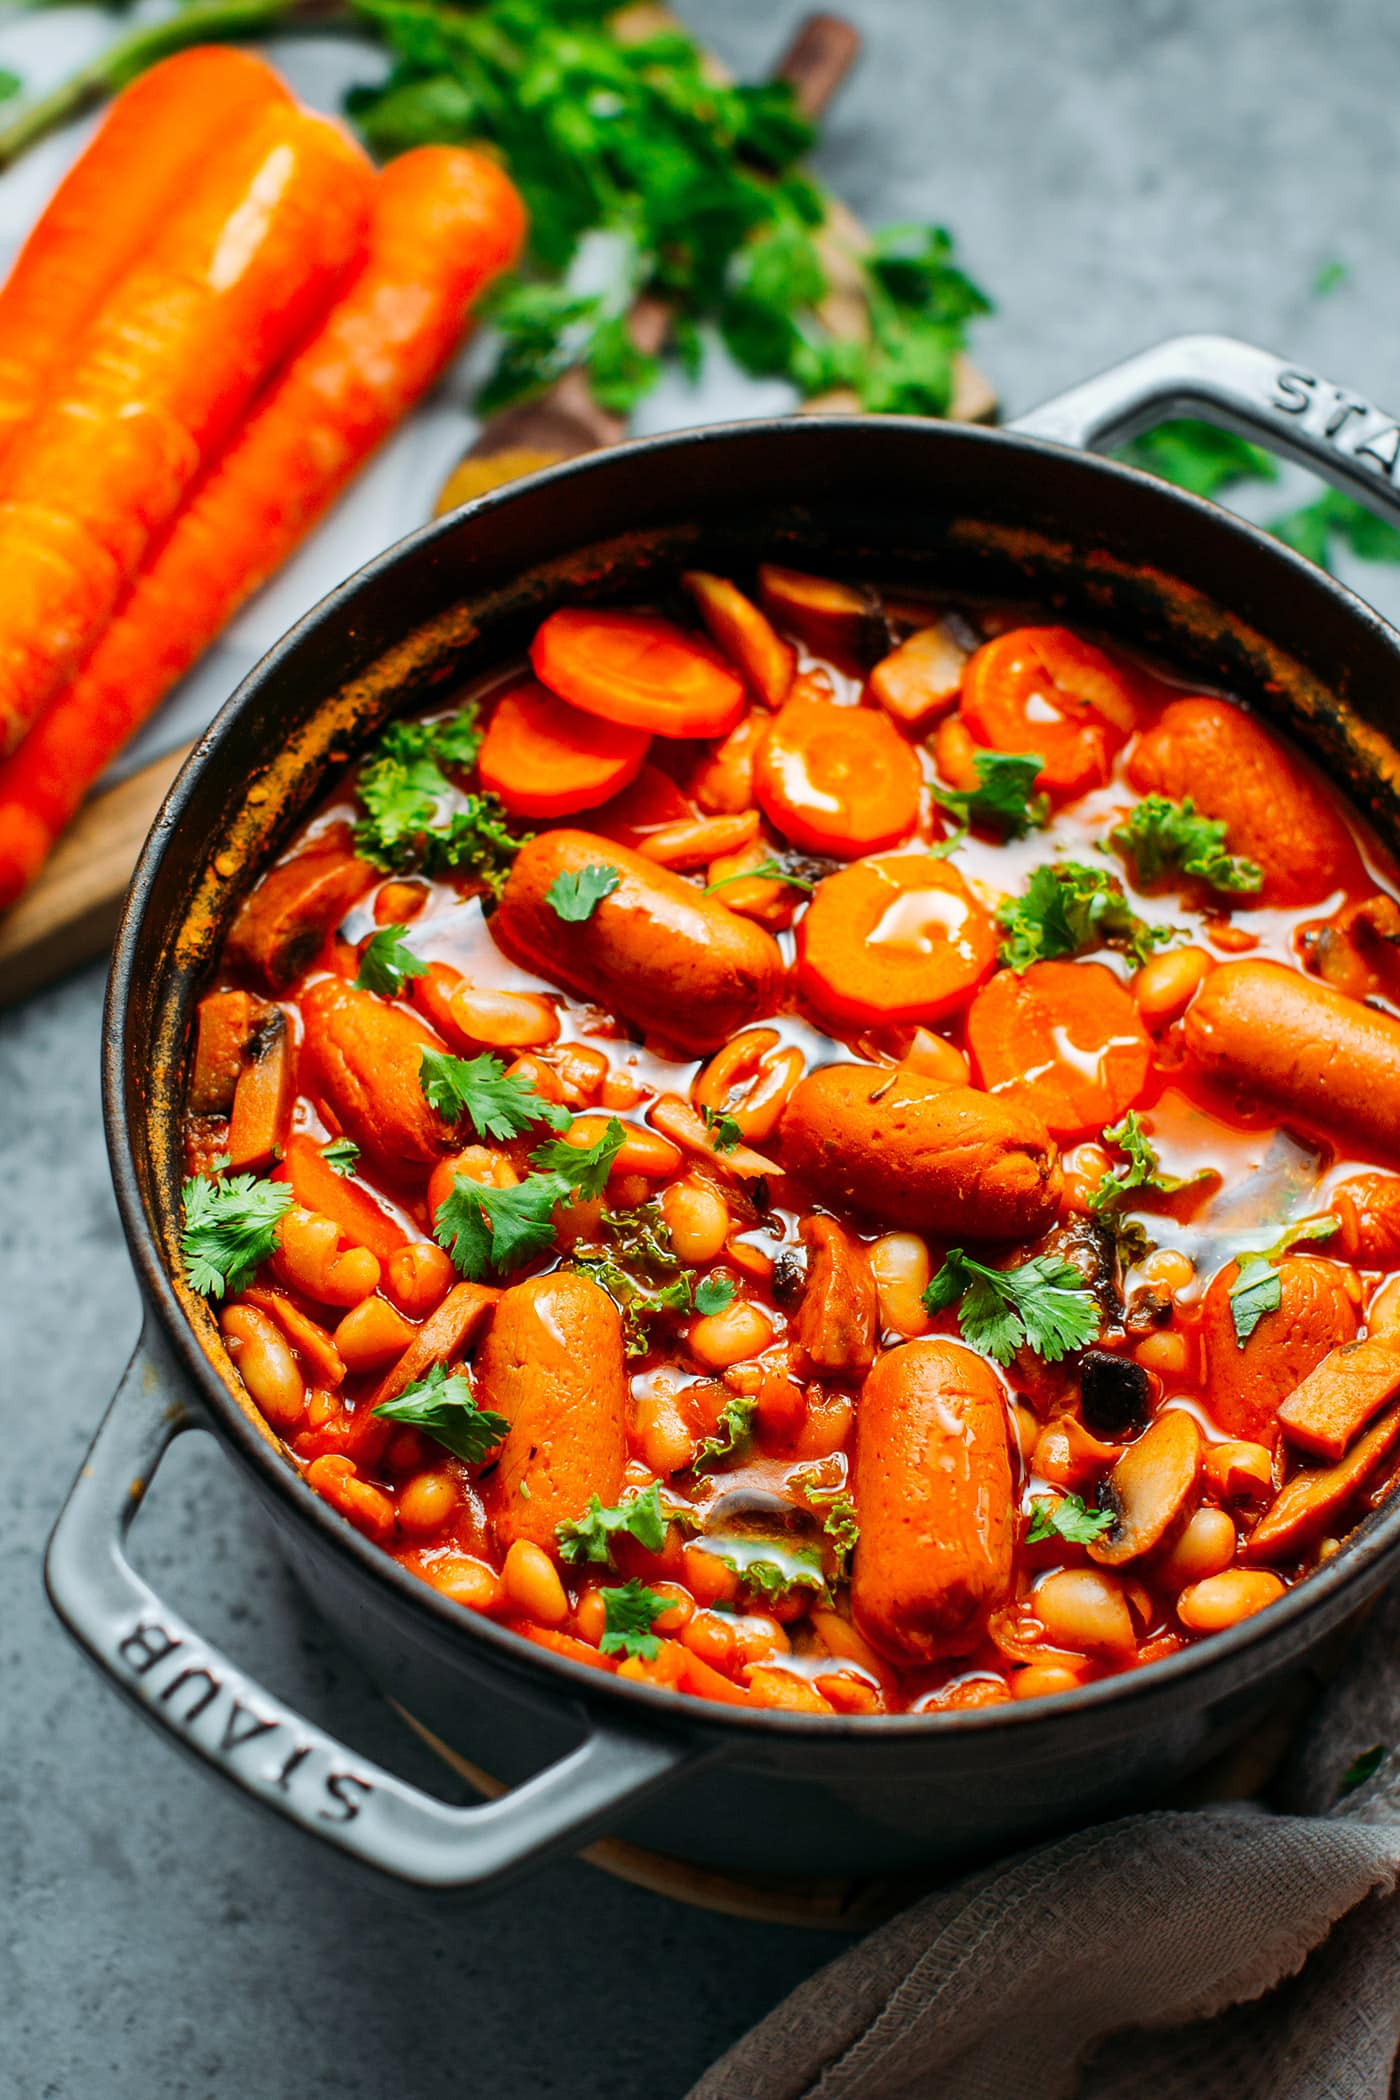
150 147
233 282
444 222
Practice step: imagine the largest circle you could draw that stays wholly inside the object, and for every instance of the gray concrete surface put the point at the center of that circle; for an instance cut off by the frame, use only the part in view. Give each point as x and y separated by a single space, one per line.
1116 170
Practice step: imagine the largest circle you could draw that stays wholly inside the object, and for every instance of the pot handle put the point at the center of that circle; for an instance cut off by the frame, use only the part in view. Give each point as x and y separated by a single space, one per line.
1297 413
186 1686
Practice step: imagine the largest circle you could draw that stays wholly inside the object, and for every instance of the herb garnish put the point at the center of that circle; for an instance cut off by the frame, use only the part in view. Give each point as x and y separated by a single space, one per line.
1068 1517
386 964
732 1431
1164 837
1258 1287
479 1088
1143 1171
341 1156
444 1408
230 1229
1044 1303
629 1612
725 1133
496 1229
589 1537
575 898
713 1294
1004 798
1068 908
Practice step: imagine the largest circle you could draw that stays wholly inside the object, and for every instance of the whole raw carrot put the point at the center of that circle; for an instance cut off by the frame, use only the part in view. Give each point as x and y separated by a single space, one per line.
138 167
233 282
443 223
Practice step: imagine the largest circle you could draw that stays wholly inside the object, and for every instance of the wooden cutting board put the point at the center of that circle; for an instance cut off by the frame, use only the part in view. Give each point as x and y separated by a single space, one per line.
69 916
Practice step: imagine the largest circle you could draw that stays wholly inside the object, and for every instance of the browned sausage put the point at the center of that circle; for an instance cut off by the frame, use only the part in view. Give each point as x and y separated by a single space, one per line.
552 1364
838 1318
932 1488
1233 770
279 931
1245 1382
1368 1210
943 1159
658 950
1306 1049
363 1058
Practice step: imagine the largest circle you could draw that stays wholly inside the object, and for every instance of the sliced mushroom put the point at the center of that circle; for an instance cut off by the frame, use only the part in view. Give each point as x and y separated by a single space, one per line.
1115 1393
836 620
1310 1502
1152 1490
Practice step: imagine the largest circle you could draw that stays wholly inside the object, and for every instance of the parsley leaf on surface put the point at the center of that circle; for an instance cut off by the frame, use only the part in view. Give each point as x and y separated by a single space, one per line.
732 1432
725 1133
1067 1517
583 1169
575 898
476 840
386 965
1163 837
444 1408
1199 457
1043 1302
1068 908
1004 798
496 1106
773 1568
638 1267
629 1613
589 1537
341 1156
486 1229
230 1229
1258 1287
713 1294
1143 1171
402 784
839 1520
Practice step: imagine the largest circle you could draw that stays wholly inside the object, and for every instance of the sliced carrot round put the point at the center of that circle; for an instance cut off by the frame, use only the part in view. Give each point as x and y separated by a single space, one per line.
837 779
898 938
1066 1039
638 670
545 759
1042 689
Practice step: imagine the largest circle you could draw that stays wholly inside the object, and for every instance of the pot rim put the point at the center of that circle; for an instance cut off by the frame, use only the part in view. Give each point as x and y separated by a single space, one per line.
1371 1540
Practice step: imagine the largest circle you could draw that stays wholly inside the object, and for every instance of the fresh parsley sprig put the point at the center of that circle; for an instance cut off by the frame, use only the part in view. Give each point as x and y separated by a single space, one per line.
1161 837
480 1090
575 898
725 1133
1144 1170
230 1229
629 1613
1069 908
733 1431
1043 1303
387 964
445 1408
1067 1517
590 1537
1258 1286
403 785
636 1264
492 1230
341 1155
1004 798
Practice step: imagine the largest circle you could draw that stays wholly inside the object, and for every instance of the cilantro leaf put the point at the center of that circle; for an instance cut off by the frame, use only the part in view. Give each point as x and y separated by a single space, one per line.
589 1537
479 1088
1068 908
1143 1171
1004 798
445 1409
1067 1517
488 1230
1044 1303
639 1269
402 784
230 1229
386 965
1200 457
341 1155
583 1169
629 1613
1258 1287
725 1133
476 840
770 869
714 1294
1164 837
575 898
732 1432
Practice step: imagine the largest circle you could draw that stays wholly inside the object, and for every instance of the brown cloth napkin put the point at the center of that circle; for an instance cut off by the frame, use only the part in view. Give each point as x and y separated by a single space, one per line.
1232 1953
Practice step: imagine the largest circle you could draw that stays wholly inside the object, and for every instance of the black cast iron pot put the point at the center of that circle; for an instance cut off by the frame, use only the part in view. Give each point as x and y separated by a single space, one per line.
1021 513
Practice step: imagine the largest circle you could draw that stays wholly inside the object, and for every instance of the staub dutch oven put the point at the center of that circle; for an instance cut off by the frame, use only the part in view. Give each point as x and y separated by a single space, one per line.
1026 513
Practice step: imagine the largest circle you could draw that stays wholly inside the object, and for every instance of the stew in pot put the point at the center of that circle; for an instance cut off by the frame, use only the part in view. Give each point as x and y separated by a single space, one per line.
822 1150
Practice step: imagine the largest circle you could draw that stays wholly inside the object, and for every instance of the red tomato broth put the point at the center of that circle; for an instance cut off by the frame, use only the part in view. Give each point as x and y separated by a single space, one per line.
1266 1172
